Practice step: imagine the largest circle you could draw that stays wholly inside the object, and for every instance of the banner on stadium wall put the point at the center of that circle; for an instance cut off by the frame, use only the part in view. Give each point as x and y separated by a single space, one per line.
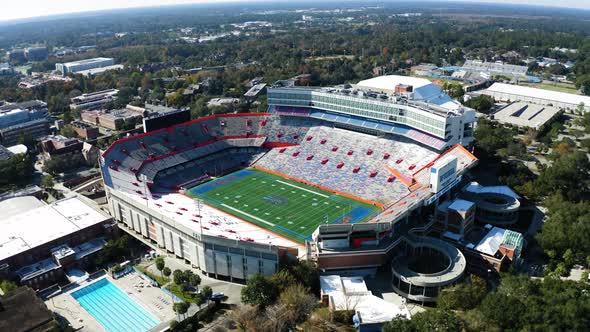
443 191
443 172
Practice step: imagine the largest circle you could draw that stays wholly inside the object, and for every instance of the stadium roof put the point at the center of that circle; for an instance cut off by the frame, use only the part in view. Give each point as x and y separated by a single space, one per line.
526 115
389 82
37 225
424 90
562 97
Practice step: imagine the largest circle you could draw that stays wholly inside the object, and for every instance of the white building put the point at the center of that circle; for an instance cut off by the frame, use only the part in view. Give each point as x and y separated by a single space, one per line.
351 293
32 231
82 65
508 92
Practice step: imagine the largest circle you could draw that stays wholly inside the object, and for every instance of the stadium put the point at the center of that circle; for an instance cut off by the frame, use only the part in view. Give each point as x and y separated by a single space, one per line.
341 175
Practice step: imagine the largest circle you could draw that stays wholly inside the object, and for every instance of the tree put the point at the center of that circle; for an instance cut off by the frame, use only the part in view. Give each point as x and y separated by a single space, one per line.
491 137
68 131
583 83
431 320
59 164
206 292
58 104
180 308
116 250
564 231
16 170
178 277
259 291
453 89
7 286
47 182
166 271
570 174
400 324
160 264
26 139
481 103
437 320
308 274
463 296
282 280
299 302
192 279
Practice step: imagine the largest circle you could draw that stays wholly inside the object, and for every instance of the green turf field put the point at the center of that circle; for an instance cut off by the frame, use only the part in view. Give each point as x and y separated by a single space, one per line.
286 207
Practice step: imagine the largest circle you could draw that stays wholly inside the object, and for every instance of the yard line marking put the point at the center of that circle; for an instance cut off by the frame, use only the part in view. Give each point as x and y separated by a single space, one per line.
301 188
247 214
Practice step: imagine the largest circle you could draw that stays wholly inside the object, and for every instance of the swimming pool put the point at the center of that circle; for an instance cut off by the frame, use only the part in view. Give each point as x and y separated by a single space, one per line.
113 309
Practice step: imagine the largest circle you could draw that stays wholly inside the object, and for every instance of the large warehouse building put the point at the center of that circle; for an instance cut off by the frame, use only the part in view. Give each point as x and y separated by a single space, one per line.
39 242
83 65
509 92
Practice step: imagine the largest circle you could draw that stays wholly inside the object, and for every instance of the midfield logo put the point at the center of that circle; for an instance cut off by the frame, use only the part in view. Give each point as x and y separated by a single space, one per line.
276 200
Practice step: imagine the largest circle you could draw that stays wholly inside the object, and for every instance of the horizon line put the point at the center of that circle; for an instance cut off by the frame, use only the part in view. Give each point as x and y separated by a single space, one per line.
24 19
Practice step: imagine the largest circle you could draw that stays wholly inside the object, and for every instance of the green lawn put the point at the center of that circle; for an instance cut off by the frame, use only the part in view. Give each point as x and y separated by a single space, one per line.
186 297
560 87
286 207
329 57
159 279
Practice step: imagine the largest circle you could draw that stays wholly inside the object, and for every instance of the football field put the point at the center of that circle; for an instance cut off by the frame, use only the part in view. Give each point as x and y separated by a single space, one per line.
286 207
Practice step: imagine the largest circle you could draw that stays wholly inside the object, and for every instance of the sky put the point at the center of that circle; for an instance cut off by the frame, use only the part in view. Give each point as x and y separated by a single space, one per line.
33 8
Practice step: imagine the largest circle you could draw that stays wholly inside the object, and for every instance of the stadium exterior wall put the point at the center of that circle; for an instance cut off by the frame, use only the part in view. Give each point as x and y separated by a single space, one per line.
214 256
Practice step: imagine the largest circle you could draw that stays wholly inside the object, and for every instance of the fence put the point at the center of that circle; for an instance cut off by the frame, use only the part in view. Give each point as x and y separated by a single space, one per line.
174 297
117 275
151 281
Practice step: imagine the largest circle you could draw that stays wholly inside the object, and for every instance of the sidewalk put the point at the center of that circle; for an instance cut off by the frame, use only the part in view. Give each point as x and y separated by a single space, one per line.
231 290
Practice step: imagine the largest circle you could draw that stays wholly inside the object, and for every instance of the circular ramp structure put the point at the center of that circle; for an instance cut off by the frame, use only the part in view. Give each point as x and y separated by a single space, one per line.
425 266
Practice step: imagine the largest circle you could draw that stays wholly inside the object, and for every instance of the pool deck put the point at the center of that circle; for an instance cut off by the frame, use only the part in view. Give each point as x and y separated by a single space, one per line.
153 299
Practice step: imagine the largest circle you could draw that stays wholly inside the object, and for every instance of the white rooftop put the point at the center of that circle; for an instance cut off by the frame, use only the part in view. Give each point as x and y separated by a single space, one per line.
477 188
100 70
491 241
42 224
351 293
539 93
18 149
84 61
389 82
371 309
18 205
461 205
526 115
337 284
